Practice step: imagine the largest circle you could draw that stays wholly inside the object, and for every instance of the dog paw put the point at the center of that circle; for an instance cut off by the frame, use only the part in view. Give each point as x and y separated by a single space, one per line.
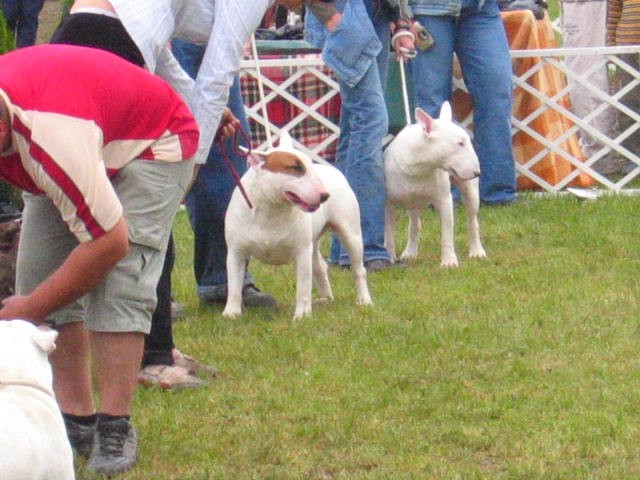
408 256
325 300
449 263
366 300
478 253
231 313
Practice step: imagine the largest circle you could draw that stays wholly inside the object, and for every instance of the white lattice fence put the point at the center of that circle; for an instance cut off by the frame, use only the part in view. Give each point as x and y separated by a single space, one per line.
284 88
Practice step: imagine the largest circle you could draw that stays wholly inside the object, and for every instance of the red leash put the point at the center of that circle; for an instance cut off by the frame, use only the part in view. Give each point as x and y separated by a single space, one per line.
241 153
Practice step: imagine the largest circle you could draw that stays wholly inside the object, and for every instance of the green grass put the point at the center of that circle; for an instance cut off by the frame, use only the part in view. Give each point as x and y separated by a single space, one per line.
520 366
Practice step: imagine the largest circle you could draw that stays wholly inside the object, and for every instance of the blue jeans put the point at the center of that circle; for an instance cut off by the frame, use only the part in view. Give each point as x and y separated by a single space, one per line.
479 40
363 124
22 18
208 199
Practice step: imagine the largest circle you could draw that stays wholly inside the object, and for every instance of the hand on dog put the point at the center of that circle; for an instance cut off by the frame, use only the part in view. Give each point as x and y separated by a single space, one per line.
22 307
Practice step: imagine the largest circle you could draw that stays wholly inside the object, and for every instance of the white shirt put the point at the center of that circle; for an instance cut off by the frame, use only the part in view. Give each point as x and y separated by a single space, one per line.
223 26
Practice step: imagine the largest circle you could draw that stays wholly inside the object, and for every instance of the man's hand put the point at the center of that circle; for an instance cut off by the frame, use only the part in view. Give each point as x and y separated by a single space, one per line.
86 266
229 124
403 41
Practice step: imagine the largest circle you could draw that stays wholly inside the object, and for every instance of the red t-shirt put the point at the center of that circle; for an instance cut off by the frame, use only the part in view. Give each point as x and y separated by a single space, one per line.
80 114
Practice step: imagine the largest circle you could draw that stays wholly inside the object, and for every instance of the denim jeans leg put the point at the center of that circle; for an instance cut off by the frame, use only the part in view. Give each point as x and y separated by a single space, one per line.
362 161
483 50
27 27
11 11
488 78
208 199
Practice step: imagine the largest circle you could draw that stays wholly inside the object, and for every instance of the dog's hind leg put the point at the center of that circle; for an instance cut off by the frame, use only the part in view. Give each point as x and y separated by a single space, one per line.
470 199
390 231
321 275
351 238
413 236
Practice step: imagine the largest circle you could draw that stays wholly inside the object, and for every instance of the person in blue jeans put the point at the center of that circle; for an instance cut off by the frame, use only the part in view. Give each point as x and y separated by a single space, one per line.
474 31
22 19
354 37
208 199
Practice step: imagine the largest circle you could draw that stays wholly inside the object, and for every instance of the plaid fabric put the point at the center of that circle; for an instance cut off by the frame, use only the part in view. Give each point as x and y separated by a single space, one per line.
308 89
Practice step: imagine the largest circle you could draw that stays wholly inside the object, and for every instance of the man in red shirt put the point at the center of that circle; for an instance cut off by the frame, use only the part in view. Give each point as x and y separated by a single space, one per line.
103 150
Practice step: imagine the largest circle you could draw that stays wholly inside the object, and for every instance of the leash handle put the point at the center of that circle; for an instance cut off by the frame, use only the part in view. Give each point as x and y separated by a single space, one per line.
241 153
405 95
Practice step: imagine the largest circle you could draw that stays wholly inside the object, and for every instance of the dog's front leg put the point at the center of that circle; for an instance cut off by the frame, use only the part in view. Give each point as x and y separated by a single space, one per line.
413 236
448 257
469 192
303 283
236 266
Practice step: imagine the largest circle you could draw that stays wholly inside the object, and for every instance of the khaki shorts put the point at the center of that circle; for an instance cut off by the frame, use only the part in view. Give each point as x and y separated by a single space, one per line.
150 193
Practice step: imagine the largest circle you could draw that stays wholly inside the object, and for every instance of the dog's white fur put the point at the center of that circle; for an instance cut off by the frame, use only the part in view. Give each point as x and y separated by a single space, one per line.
419 163
294 202
33 439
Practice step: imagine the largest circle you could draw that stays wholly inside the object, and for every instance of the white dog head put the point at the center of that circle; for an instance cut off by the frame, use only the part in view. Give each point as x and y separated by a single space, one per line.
450 143
24 351
287 172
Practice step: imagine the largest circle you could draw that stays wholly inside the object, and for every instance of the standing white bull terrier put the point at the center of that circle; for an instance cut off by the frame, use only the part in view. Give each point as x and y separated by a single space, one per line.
294 202
418 164
33 439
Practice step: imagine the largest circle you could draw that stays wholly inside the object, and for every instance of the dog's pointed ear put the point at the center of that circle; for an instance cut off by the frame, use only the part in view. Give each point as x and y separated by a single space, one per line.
424 119
445 112
257 157
285 140
45 339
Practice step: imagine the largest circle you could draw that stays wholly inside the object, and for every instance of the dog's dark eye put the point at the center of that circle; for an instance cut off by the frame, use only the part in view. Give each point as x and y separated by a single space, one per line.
461 143
297 168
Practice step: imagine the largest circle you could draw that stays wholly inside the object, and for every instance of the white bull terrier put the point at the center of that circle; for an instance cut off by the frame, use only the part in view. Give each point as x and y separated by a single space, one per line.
419 163
294 202
33 439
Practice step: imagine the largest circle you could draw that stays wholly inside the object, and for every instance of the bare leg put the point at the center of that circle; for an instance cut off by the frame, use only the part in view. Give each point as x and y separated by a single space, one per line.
117 358
72 370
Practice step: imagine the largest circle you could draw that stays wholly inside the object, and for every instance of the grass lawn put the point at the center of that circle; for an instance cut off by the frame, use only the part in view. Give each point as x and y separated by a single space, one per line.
523 365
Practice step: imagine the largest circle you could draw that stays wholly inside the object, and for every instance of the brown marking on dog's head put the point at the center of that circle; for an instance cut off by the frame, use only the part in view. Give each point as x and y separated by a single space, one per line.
285 162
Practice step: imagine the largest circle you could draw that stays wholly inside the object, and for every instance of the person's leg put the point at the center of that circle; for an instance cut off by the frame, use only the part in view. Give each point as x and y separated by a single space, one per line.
584 25
27 27
45 242
208 199
119 310
483 50
362 163
158 345
11 11
432 69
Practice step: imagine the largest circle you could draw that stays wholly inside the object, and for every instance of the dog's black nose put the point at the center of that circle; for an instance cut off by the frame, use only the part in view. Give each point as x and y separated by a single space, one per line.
476 174
324 197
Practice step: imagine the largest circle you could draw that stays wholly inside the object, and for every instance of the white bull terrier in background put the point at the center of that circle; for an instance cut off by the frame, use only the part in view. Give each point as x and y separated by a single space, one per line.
33 439
294 202
419 163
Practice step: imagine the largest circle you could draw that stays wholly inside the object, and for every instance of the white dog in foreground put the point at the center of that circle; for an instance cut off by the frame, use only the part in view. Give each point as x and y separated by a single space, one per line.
419 163
294 202
33 439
